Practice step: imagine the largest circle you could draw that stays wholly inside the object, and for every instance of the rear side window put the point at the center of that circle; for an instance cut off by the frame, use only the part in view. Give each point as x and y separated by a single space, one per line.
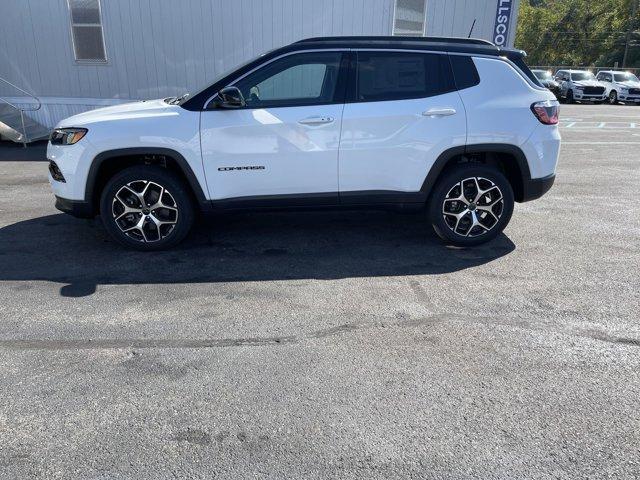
382 76
464 71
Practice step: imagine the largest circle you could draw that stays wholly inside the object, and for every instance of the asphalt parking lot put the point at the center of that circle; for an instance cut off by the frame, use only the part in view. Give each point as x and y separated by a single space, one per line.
331 345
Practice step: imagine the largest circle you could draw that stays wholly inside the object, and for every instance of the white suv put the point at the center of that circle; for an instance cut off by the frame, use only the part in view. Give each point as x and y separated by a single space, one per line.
580 85
459 126
620 86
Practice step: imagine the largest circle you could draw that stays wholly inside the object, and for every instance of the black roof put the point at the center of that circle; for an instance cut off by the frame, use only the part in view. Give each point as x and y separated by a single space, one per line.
439 44
360 38
445 44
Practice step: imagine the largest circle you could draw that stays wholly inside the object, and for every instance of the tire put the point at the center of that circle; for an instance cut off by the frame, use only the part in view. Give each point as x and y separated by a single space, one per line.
570 96
462 226
613 97
162 221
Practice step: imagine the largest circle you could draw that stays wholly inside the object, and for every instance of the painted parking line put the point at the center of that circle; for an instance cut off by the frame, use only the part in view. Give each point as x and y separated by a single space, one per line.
600 143
577 124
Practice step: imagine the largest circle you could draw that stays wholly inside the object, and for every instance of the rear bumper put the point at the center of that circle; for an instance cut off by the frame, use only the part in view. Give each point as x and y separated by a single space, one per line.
537 187
77 208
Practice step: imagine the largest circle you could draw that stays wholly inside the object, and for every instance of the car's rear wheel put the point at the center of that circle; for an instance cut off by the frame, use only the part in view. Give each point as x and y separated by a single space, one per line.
146 208
471 205
613 97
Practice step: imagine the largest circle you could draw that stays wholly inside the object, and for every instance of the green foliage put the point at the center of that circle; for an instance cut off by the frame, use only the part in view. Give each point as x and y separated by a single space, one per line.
578 32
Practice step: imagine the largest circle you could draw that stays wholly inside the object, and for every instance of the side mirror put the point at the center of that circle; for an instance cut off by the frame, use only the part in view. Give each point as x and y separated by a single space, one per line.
230 97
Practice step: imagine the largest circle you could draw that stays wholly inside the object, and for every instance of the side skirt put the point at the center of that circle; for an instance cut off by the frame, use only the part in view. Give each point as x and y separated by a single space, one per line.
324 201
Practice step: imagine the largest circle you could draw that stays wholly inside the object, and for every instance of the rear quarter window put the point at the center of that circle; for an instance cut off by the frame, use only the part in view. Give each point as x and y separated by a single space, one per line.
465 72
519 62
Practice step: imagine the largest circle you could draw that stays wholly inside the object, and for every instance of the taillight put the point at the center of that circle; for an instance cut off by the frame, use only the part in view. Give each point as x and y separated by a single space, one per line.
547 112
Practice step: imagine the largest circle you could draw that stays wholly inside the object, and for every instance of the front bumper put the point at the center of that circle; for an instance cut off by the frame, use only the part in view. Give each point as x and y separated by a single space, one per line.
77 208
629 98
577 95
536 187
69 177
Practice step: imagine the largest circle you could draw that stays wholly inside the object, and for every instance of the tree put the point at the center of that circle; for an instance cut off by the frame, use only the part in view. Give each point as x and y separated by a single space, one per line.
579 32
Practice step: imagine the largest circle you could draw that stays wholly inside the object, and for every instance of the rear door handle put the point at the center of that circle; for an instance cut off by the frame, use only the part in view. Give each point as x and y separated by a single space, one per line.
439 112
315 120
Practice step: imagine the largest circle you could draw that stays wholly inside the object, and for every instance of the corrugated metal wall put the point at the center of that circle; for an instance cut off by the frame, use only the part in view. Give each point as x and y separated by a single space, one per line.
447 18
162 47
158 48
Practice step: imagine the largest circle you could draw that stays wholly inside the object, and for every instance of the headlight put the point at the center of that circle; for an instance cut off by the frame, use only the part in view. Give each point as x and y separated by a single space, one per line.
624 90
67 136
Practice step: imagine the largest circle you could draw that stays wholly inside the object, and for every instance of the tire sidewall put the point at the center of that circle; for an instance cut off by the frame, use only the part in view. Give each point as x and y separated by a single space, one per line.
164 178
447 182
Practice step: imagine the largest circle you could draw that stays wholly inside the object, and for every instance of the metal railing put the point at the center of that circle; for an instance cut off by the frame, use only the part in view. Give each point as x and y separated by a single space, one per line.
37 105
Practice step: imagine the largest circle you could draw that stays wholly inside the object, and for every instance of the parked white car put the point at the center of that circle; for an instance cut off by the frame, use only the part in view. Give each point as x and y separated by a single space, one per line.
580 85
458 126
620 86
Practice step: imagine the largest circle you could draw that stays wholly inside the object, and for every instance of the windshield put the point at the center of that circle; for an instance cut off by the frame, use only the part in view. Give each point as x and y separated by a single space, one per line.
542 74
581 76
625 77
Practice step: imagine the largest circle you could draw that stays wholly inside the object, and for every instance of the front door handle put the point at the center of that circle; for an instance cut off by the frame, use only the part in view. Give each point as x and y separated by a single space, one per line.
439 112
315 120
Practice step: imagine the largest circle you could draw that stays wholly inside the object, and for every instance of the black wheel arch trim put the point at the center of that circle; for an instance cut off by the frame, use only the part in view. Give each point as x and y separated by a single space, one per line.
184 166
532 188
515 151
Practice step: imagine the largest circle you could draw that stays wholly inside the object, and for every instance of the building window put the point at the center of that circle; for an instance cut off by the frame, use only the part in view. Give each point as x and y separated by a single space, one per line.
409 18
86 30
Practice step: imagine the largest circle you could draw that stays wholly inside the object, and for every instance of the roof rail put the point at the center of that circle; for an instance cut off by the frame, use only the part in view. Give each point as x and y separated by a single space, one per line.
459 40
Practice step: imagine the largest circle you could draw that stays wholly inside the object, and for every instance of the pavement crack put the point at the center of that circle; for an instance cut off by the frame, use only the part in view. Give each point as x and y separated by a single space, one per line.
338 330
87 344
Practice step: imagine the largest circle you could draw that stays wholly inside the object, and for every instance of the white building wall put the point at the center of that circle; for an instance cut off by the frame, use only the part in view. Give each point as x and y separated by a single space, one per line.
159 48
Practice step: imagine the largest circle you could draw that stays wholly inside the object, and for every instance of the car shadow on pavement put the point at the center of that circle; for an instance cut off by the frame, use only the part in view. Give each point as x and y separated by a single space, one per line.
15 152
237 248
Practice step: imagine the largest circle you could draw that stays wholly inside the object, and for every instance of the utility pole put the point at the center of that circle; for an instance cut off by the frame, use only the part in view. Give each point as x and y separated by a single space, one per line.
634 9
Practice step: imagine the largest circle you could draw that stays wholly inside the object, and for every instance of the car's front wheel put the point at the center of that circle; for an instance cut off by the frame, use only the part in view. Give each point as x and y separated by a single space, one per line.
613 97
146 208
471 205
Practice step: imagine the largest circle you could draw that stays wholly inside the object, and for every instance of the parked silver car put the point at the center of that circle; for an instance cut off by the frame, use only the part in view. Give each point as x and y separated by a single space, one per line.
620 86
580 85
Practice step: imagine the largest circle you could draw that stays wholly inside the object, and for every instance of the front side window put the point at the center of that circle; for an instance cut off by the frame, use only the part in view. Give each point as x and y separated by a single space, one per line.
299 79
409 18
385 76
86 30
